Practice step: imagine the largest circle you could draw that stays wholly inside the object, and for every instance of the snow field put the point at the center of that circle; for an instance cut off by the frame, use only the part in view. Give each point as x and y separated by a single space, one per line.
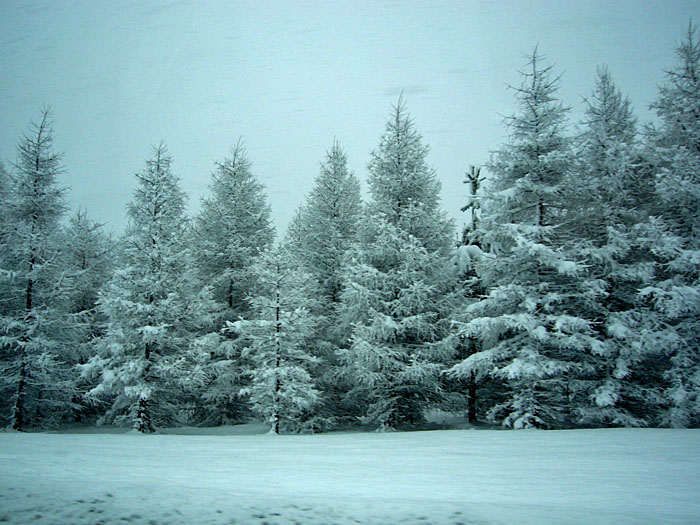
451 477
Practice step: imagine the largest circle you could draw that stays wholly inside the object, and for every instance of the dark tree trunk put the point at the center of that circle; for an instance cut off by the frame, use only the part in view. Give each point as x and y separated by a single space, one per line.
278 330
143 421
143 418
471 414
18 415
37 412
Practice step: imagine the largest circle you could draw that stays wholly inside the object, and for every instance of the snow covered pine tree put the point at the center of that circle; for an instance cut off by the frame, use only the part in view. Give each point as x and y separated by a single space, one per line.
231 231
326 224
672 321
530 333
395 285
320 234
275 339
611 187
148 357
35 375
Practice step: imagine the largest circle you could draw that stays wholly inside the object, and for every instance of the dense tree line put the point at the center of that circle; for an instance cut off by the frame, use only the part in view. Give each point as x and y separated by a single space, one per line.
572 297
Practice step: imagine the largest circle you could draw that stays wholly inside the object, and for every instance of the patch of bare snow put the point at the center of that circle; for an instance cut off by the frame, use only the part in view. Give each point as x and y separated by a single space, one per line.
238 475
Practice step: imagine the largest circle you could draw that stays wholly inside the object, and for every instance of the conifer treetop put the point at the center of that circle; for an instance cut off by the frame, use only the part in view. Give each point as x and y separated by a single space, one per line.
158 200
608 115
399 174
38 196
541 114
678 104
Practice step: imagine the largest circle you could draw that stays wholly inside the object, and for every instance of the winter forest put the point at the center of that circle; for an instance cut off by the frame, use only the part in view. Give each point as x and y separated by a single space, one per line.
571 297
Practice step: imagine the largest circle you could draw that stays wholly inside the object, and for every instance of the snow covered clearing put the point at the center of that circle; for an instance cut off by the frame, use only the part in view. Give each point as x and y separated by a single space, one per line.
238 475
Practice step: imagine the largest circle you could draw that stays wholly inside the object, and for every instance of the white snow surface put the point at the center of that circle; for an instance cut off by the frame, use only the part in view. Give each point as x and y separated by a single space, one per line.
240 475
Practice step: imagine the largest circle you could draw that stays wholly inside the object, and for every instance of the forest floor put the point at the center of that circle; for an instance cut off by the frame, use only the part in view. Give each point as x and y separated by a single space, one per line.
241 475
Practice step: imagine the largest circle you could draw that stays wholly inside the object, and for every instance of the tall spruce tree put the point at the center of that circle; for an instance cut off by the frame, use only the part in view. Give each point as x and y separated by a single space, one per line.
396 284
610 187
87 258
35 378
276 339
326 224
232 230
319 236
147 359
531 336
404 189
671 323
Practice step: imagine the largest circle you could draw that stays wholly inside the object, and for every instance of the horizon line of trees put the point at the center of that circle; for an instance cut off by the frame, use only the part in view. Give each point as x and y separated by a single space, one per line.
572 298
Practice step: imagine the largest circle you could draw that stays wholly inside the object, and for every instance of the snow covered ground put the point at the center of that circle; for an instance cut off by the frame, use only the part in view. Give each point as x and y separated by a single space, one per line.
238 475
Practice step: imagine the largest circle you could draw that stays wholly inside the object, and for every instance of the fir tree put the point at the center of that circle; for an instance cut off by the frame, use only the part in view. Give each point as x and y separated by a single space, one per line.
231 231
36 378
395 300
396 284
87 259
326 225
321 233
610 187
276 340
149 354
530 335
404 189
673 236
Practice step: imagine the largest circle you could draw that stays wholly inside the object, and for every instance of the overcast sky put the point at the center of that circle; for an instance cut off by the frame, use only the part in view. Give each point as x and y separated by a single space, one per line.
289 76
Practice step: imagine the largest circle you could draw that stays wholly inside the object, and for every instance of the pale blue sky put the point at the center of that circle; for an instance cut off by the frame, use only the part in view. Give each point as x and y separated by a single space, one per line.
289 76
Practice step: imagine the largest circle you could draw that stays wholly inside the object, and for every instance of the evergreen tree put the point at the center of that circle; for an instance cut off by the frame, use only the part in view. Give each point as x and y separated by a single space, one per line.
467 256
36 382
276 340
531 337
320 234
610 187
404 189
326 225
673 235
396 283
395 300
231 231
606 172
87 258
149 358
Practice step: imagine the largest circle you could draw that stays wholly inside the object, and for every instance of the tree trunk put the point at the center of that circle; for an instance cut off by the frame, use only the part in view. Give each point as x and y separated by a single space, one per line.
471 415
18 414
278 343
278 330
143 422
143 415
